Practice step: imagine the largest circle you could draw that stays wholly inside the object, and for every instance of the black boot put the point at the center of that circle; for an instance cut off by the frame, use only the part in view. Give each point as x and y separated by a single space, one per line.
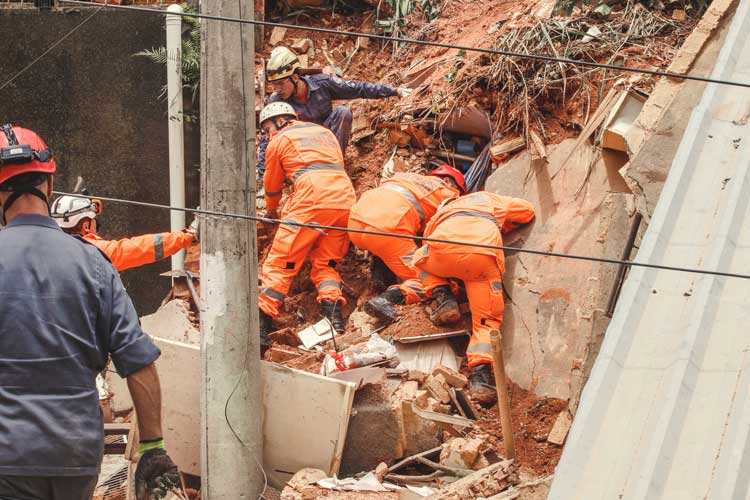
483 385
446 311
381 306
265 328
332 311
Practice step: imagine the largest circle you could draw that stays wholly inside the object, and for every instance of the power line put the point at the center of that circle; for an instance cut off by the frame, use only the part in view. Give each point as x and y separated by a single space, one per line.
319 227
537 57
50 49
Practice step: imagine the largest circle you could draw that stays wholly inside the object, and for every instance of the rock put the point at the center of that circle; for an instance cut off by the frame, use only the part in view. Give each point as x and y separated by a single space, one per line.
460 453
480 463
302 45
560 430
437 386
452 377
277 35
306 477
679 15
381 470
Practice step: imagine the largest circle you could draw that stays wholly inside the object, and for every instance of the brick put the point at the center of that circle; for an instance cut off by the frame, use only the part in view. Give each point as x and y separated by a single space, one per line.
452 377
460 452
560 429
280 353
409 390
421 398
381 470
437 386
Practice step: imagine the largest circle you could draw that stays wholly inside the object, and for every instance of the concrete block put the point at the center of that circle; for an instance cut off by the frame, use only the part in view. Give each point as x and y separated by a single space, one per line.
451 376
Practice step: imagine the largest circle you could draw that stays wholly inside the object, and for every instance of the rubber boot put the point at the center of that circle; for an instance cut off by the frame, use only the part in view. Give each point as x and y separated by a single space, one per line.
332 311
265 328
446 311
483 389
381 306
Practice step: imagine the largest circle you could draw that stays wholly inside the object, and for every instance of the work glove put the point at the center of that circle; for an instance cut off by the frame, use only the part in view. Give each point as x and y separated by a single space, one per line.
194 229
404 91
156 474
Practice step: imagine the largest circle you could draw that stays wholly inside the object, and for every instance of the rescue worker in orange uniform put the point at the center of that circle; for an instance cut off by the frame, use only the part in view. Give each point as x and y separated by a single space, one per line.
403 204
308 157
78 216
481 218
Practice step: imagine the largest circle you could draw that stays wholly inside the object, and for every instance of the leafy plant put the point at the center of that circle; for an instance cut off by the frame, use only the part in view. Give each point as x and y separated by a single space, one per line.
191 56
394 25
457 66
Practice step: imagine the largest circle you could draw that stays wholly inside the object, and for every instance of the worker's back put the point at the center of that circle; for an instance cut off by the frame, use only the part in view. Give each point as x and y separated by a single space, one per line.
62 310
309 157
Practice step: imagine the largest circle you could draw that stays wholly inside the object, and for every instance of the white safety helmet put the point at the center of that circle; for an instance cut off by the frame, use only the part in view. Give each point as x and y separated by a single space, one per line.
68 211
275 109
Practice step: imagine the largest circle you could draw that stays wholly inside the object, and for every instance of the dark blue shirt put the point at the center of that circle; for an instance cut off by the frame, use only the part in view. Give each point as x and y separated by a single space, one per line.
322 90
63 313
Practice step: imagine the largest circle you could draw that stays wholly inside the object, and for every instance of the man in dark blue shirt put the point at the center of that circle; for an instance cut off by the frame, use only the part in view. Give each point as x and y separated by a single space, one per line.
312 97
63 313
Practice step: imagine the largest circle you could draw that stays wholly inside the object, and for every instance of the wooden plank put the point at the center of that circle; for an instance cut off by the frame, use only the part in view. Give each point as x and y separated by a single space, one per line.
119 429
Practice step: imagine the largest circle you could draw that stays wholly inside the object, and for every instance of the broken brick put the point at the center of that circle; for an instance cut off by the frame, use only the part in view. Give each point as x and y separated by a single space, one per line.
421 398
409 390
460 453
437 386
417 376
452 377
277 35
302 45
280 354
381 471
560 429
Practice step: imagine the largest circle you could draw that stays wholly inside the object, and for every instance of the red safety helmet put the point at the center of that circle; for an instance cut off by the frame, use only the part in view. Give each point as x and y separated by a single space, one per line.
23 151
453 173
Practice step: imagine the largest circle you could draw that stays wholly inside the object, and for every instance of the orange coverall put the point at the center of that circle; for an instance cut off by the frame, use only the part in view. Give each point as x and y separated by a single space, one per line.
141 250
402 204
482 218
309 157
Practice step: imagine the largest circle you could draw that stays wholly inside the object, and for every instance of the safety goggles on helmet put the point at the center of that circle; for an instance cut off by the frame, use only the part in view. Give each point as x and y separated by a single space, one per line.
18 154
277 74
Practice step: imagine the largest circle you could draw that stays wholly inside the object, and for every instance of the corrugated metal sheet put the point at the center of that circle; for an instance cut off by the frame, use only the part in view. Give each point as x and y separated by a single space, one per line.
666 411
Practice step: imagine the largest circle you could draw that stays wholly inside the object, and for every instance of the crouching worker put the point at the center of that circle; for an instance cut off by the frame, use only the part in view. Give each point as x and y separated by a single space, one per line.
480 218
63 314
78 216
308 157
403 204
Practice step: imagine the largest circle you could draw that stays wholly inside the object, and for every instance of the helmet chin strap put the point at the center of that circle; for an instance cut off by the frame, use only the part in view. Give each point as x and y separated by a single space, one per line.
17 193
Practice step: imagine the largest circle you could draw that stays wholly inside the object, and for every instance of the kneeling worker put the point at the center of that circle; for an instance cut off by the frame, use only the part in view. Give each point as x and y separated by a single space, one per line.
309 158
475 218
404 204
78 216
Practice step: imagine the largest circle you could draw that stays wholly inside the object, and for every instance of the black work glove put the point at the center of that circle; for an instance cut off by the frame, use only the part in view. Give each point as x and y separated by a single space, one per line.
155 475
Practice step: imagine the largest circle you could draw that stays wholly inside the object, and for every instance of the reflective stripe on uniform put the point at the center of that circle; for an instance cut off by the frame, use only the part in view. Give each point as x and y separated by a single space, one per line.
480 348
423 275
270 292
416 289
158 247
497 285
472 213
315 166
326 283
409 196
271 194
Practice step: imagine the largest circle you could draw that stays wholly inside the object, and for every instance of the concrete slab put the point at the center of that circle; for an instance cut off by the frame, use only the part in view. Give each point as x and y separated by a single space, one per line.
306 416
549 327
665 413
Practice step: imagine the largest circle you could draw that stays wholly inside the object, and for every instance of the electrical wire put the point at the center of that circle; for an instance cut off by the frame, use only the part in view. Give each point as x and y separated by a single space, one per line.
537 57
51 48
320 227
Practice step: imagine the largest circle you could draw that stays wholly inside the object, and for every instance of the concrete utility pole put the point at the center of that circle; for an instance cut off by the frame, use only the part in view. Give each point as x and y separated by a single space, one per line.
230 348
